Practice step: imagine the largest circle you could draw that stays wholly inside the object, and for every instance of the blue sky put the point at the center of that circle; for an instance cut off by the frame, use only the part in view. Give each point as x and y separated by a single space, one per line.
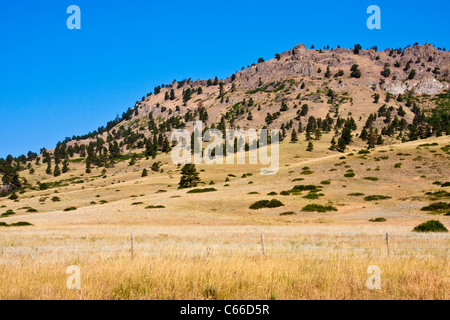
56 82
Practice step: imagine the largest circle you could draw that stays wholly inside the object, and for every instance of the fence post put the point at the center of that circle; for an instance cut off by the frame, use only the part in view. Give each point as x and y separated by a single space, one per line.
263 244
387 243
132 246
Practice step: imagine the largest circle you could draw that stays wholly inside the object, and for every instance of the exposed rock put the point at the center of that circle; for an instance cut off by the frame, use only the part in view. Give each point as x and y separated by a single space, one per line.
424 86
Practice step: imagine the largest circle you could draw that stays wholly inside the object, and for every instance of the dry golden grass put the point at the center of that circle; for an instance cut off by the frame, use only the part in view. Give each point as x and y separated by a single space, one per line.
207 246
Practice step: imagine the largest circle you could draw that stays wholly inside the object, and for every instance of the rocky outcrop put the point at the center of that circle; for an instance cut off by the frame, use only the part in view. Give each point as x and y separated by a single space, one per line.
424 86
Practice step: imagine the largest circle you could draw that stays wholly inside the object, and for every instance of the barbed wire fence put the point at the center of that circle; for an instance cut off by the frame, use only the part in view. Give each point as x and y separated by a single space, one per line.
223 245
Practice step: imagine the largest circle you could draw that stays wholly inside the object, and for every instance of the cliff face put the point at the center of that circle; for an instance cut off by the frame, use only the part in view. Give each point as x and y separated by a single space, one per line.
424 86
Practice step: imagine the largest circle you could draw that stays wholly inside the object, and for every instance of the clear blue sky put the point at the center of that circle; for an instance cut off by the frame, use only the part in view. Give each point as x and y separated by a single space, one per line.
56 82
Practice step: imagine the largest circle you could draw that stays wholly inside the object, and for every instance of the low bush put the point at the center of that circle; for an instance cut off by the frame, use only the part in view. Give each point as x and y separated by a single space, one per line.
155 207
8 213
313 196
70 209
378 220
318 208
310 187
289 213
274 203
16 224
376 197
202 190
349 175
436 206
371 178
430 226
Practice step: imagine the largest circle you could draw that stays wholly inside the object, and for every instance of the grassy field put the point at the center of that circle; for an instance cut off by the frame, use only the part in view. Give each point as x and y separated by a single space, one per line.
208 245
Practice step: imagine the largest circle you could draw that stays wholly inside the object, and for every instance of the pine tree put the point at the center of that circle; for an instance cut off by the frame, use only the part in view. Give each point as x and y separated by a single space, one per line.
88 165
189 176
371 140
341 145
65 167
172 94
294 137
333 144
49 168
155 167
310 147
318 134
328 73
144 173
57 171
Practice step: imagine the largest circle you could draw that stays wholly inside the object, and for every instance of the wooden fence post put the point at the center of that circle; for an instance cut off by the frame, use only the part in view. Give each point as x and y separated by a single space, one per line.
132 246
387 243
263 244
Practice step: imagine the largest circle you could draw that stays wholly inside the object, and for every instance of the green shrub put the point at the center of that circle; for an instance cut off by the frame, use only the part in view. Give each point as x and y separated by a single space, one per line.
371 178
289 213
441 194
202 190
378 220
355 194
445 184
253 192
436 206
307 172
273 193
155 207
274 203
309 187
16 224
136 203
430 226
21 224
397 165
376 197
349 175
70 209
364 151
8 213
318 208
31 210
298 179
313 196
326 182
56 199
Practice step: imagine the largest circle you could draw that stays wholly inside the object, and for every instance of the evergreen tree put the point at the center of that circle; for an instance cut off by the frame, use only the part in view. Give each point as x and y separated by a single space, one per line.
189 176
328 73
371 140
56 171
333 144
355 72
155 167
65 167
310 147
144 173
294 137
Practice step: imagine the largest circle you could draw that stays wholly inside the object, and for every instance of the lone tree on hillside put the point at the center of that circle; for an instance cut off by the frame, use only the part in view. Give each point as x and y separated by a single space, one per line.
189 176
310 147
